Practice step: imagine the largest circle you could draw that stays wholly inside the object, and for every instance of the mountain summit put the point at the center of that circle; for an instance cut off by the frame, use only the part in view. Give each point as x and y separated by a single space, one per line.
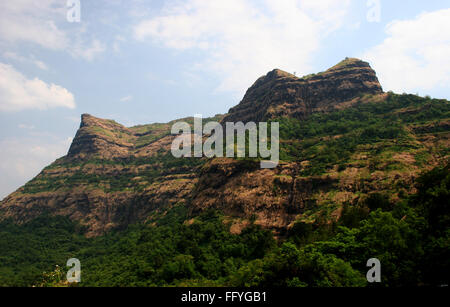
279 93
99 136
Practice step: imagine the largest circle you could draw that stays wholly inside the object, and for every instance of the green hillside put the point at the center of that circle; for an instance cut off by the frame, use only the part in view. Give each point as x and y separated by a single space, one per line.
398 211
410 237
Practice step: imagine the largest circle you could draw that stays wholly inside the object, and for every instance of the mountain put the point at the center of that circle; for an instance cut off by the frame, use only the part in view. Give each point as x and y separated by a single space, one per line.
362 174
282 94
342 138
111 177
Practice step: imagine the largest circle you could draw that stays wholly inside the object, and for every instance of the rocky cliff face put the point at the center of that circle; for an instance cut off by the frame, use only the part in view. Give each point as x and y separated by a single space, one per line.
113 175
281 94
104 138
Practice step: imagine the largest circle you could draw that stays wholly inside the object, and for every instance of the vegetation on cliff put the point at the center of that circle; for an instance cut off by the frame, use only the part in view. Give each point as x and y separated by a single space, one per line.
411 239
362 174
377 128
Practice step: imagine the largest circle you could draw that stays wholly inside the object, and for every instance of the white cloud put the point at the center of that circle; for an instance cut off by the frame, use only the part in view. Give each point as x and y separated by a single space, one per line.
26 127
88 52
415 56
23 158
40 64
19 93
44 23
33 21
31 59
126 99
240 40
329 13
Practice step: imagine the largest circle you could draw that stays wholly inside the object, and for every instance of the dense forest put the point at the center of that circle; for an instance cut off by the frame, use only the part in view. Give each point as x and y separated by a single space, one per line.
410 238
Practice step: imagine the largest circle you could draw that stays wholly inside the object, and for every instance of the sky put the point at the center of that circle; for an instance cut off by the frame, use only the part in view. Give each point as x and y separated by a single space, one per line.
145 61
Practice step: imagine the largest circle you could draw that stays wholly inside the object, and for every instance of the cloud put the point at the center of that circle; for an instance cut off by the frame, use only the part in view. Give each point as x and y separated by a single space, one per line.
31 59
23 158
126 99
88 52
44 23
33 21
26 127
40 64
240 40
415 54
19 93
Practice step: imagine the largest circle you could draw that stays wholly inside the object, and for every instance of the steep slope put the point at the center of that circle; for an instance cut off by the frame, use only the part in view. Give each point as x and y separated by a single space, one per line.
104 138
112 176
332 159
282 94
342 139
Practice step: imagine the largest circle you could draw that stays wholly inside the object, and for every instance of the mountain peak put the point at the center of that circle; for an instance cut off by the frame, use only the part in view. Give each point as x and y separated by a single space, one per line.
349 62
101 137
87 120
280 93
278 73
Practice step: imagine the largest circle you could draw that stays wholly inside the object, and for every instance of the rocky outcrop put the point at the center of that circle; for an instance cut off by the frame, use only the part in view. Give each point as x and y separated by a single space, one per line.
282 94
273 198
102 138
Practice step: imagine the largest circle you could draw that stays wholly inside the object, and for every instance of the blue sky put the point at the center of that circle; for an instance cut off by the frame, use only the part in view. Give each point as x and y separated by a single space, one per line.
140 61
